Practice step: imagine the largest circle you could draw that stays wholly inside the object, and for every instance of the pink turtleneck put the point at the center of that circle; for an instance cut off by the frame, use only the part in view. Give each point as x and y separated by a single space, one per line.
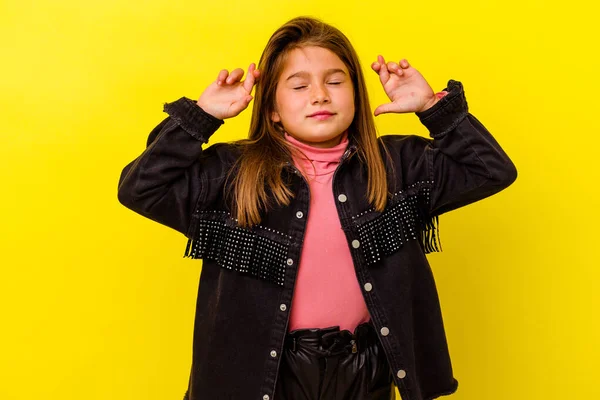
327 292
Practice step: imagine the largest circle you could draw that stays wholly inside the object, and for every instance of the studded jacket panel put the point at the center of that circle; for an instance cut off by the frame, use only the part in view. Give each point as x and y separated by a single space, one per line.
248 275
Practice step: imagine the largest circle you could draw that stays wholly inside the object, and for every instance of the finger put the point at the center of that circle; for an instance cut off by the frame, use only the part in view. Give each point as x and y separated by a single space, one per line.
235 76
384 74
222 76
395 68
250 78
404 63
376 66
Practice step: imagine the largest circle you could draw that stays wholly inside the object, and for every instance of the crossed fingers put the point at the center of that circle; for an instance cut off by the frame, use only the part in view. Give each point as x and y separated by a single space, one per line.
226 78
384 69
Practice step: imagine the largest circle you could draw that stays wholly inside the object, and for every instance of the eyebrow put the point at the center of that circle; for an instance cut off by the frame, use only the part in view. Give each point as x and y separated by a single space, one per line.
304 73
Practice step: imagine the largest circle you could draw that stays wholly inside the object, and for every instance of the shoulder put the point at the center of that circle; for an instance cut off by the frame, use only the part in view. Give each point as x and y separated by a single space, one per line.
403 140
407 159
217 160
224 152
403 145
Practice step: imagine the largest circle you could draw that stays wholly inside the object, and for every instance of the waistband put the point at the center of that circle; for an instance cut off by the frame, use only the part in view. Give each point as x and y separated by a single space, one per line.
332 339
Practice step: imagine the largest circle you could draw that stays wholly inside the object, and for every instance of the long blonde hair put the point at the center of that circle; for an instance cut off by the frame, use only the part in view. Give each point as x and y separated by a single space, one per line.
258 179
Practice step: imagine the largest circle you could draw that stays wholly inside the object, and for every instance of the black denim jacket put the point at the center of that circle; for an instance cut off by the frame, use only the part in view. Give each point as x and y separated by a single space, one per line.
248 276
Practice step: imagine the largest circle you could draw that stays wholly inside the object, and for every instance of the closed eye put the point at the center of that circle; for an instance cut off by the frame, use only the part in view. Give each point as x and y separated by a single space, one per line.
331 83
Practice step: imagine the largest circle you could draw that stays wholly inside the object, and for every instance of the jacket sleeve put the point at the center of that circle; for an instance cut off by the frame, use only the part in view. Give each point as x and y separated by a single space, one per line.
462 159
165 182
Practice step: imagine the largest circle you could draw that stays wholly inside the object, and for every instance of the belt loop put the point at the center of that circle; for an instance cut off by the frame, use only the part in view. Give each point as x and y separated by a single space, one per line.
293 344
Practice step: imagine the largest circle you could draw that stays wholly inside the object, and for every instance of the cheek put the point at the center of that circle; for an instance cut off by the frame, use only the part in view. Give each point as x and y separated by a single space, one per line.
350 101
293 106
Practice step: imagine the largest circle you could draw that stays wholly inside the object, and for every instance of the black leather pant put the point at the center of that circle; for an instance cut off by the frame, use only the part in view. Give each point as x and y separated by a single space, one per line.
329 364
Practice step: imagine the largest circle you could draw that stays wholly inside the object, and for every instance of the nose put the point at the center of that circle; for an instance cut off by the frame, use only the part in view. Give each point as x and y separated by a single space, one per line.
319 94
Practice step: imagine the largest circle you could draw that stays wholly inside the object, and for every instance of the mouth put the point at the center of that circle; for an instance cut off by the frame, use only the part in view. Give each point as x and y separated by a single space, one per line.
320 115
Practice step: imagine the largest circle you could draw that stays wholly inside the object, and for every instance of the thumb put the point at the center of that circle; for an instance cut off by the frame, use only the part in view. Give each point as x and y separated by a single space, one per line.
240 105
384 108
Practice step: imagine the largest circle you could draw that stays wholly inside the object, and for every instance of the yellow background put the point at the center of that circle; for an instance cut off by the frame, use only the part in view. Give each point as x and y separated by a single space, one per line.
98 303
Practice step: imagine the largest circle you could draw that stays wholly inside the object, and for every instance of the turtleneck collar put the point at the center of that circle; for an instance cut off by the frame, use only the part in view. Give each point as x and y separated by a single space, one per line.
318 153
318 161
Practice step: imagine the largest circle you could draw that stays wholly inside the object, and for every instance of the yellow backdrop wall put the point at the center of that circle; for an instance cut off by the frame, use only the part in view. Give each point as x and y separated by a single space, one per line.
97 302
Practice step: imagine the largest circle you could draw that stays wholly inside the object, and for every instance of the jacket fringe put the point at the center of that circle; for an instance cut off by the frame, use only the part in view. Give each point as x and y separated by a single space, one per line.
187 248
430 235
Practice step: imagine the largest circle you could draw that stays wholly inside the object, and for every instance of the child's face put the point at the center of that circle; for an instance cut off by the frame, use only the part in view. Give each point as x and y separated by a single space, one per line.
314 79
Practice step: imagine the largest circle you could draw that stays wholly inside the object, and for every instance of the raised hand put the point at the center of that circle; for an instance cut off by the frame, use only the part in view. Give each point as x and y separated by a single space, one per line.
228 95
405 86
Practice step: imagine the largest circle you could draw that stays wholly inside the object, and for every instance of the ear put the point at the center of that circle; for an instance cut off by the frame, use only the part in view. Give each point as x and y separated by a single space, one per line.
275 117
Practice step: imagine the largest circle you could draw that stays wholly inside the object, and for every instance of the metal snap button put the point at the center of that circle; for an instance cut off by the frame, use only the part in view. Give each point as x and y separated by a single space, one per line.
401 373
368 287
385 331
342 198
355 244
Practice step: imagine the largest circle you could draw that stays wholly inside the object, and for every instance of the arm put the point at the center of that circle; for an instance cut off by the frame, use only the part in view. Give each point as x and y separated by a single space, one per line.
171 177
462 159
165 181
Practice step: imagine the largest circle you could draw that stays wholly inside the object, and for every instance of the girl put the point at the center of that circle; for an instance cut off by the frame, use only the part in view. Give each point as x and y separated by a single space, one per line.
313 231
